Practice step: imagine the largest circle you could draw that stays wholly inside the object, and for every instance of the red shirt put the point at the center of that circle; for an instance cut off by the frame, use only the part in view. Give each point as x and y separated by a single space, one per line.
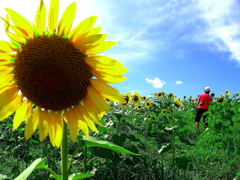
205 99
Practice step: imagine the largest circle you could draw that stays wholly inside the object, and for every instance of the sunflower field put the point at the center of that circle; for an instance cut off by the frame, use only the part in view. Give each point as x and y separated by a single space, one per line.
160 133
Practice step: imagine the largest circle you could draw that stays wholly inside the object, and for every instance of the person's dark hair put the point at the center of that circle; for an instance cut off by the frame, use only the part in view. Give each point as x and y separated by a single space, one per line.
207 92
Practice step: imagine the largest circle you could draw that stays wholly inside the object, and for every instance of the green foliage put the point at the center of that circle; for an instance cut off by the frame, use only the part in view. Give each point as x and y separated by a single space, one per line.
167 145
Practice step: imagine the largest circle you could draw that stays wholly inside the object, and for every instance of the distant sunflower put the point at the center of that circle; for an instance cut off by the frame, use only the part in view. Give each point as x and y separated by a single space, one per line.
177 103
193 100
147 104
139 107
126 97
136 98
184 97
57 69
212 94
164 111
236 94
143 98
160 94
226 91
220 100
170 95
149 116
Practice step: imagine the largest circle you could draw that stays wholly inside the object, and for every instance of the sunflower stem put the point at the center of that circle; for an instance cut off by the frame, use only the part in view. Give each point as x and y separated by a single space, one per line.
64 153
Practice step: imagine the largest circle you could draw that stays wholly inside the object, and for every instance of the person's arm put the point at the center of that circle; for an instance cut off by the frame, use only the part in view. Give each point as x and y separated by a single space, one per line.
198 100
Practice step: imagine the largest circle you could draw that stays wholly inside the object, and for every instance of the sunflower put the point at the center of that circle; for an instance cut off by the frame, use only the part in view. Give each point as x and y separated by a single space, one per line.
136 98
147 104
164 111
126 97
170 95
143 98
193 100
184 97
177 102
212 94
160 94
220 100
139 107
149 116
57 69
236 94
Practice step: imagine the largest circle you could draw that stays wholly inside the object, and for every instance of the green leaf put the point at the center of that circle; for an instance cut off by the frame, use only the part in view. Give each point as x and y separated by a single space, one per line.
29 170
182 129
187 141
80 176
58 176
95 142
182 162
165 148
119 139
2 176
106 154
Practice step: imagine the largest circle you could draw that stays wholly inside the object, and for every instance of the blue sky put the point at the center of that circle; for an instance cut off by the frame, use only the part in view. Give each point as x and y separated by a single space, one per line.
174 46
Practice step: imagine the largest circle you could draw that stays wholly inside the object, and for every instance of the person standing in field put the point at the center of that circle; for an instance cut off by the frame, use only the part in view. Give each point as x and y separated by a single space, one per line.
203 103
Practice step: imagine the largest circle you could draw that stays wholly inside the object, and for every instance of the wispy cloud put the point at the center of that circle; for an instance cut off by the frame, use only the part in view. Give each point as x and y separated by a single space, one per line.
179 82
222 26
157 83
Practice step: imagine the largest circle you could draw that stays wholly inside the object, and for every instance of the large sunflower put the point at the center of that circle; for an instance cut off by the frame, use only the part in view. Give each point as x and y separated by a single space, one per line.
56 69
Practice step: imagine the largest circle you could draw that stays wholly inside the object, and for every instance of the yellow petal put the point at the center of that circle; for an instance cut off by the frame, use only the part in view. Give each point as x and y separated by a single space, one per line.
58 125
72 121
87 102
20 114
107 77
43 125
92 115
7 96
40 18
66 21
81 122
81 28
103 62
107 91
95 96
91 50
6 78
7 47
5 86
32 124
112 71
6 56
29 111
94 31
83 126
52 130
10 108
53 16
91 40
20 22
87 118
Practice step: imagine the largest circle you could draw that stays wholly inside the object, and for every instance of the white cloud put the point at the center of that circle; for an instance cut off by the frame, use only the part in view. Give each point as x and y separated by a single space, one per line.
179 82
157 83
222 26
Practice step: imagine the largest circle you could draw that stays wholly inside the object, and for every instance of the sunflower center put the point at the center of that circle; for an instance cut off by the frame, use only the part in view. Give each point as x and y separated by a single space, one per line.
51 73
135 98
